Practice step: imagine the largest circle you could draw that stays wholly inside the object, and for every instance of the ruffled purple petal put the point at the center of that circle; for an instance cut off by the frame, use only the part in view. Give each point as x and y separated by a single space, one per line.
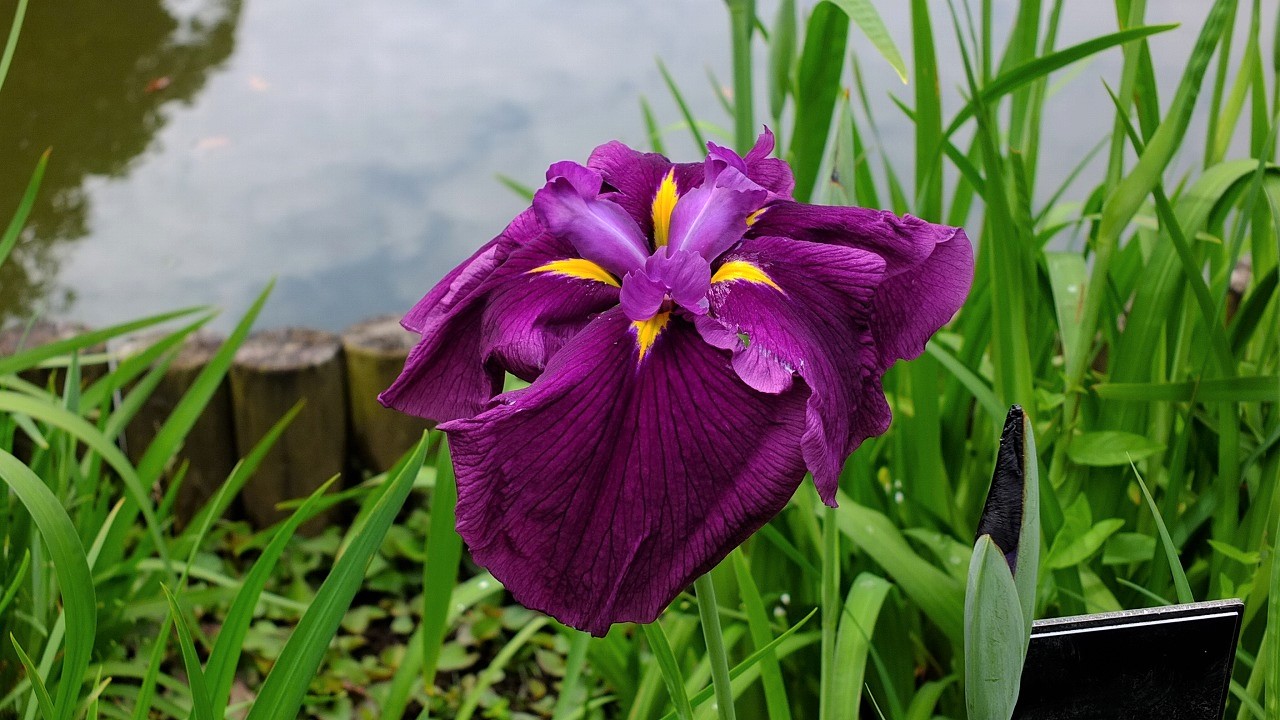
710 218
928 267
459 282
769 173
605 488
512 320
815 323
600 229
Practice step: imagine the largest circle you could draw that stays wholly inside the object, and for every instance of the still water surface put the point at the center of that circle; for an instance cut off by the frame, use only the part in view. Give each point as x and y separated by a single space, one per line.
202 147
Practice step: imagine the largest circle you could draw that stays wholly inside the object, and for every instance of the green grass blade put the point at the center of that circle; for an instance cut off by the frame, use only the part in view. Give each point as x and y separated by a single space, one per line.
34 356
570 693
493 672
240 475
440 571
1170 550
19 221
44 702
817 86
651 127
200 705
782 58
286 685
523 191
936 593
978 387
751 661
671 674
96 441
853 644
74 579
684 108
1235 389
12 44
180 421
864 14
775 690
1271 636
742 17
225 655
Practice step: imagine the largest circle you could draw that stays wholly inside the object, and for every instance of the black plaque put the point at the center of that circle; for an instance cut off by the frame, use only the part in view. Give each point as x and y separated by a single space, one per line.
1168 663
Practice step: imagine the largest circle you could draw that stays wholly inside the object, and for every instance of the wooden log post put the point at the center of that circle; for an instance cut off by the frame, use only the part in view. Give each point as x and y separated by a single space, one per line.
210 446
376 350
273 370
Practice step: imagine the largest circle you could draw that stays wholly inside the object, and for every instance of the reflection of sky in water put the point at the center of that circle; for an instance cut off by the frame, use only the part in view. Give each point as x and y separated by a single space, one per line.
350 148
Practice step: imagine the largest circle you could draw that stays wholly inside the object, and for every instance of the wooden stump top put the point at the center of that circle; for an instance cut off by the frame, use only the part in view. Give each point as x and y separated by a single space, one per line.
382 335
18 337
287 349
195 351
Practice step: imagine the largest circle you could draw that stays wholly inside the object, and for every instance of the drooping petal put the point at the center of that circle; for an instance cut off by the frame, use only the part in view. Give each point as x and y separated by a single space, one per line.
928 267
605 488
807 310
459 282
600 229
710 218
514 319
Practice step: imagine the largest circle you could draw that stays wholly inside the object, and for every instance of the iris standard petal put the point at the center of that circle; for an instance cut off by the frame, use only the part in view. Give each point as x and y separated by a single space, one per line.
770 173
605 488
712 217
806 309
928 267
600 229
515 320
634 177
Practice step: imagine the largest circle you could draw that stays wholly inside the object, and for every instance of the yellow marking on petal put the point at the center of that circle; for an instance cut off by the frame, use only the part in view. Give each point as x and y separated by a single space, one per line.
753 217
741 270
663 203
577 268
647 332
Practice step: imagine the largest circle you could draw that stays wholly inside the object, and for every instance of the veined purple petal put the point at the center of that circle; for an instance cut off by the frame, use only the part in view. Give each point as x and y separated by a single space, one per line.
514 320
599 229
928 267
605 488
816 323
709 219
458 283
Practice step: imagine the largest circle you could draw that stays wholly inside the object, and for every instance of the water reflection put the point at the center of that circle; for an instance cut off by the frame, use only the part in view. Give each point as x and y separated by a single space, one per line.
94 81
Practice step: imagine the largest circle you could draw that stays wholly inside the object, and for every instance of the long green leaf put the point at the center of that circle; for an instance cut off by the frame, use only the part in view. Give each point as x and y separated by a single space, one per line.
864 14
286 685
994 641
440 571
817 85
79 602
671 675
227 648
10 238
200 704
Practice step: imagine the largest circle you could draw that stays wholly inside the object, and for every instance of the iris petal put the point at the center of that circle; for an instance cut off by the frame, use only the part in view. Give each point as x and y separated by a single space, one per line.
599 229
605 488
928 267
710 218
817 327
475 324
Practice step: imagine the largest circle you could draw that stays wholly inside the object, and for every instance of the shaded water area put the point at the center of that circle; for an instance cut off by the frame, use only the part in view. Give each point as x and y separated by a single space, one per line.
202 147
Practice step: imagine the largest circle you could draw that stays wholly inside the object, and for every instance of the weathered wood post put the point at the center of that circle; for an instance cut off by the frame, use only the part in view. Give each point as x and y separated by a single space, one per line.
210 447
376 350
273 370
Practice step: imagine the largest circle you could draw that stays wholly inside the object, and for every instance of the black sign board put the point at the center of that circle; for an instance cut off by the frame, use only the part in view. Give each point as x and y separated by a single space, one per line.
1167 663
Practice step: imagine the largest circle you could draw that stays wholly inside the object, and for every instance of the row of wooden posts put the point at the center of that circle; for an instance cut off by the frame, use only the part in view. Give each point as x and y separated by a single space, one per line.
342 429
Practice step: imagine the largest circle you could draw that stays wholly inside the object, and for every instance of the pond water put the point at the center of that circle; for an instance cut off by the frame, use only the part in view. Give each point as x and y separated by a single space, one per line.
350 150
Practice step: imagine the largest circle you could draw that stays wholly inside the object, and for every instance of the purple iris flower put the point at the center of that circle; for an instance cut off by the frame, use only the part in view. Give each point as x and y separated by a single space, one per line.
695 339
